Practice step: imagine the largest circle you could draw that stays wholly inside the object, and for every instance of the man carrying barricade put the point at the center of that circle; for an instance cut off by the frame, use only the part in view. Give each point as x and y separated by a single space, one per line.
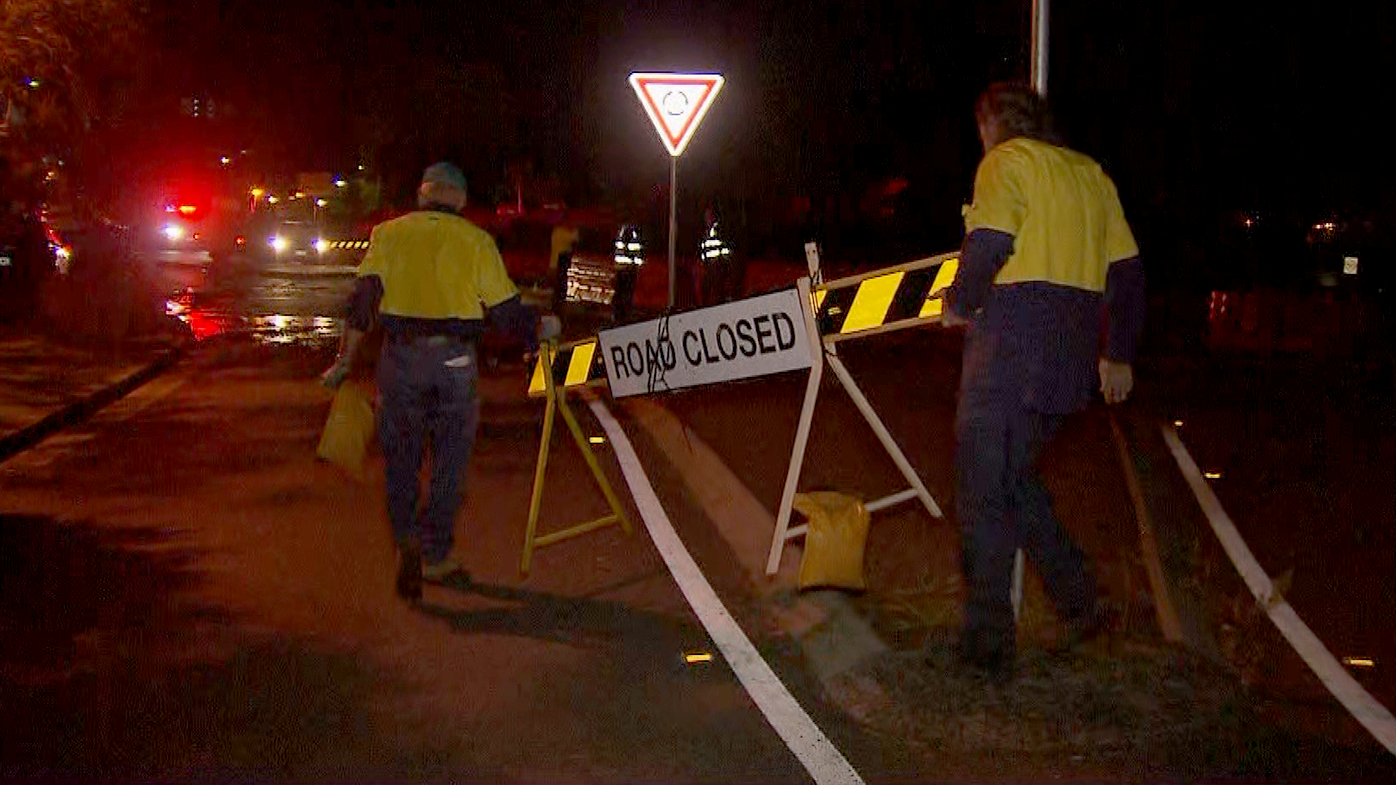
1046 249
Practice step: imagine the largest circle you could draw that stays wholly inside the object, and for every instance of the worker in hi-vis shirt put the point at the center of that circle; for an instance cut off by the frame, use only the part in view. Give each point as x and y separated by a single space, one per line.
629 257
1046 250
430 278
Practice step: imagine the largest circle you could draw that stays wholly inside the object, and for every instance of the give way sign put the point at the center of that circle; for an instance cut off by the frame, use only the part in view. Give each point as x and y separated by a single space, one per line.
676 104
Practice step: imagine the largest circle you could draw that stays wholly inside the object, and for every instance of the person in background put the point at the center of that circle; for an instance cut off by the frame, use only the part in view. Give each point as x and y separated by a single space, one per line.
714 262
1047 249
629 257
430 278
564 241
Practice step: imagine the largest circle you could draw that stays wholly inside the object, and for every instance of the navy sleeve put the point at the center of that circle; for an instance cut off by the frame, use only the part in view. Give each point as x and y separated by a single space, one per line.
981 257
1125 305
363 302
515 320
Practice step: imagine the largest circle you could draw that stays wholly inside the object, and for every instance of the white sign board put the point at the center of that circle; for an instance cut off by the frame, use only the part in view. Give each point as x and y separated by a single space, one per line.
741 340
1350 265
676 104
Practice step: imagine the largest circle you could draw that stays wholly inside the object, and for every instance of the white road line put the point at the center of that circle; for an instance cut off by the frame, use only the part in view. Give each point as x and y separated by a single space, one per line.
820 758
1359 703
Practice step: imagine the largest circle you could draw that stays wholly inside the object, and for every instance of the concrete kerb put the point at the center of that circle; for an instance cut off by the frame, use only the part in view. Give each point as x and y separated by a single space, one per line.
81 409
831 634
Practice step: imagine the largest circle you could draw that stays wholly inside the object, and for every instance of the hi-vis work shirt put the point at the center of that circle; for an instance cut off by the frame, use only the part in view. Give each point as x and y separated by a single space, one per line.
1047 246
438 273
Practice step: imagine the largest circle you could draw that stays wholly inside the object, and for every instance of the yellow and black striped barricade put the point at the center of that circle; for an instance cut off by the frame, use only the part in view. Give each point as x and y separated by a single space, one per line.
558 370
895 298
883 300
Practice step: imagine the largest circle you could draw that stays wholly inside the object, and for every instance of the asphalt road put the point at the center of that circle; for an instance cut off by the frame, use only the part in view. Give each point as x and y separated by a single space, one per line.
200 598
191 595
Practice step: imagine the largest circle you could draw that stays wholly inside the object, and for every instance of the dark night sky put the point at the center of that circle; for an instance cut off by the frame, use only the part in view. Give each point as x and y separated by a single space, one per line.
1219 104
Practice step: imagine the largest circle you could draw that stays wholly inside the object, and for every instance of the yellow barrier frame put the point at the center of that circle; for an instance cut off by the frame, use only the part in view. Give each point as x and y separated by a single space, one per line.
824 349
557 401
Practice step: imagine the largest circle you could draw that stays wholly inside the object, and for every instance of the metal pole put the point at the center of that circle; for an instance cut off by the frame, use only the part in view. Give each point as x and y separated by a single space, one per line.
1041 21
673 224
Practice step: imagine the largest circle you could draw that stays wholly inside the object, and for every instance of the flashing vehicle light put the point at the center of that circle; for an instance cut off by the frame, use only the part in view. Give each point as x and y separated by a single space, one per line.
272 200
257 193
187 209
240 241
173 231
278 244
340 183
321 203
322 245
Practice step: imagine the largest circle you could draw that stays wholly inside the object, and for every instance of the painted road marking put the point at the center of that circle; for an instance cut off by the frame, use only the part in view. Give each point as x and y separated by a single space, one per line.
804 738
1359 703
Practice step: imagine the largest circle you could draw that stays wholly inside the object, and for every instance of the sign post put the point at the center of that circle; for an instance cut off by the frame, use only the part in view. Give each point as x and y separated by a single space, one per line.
675 104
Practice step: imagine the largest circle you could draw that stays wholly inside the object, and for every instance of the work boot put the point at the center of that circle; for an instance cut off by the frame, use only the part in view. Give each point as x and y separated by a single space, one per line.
409 571
1087 627
987 658
443 570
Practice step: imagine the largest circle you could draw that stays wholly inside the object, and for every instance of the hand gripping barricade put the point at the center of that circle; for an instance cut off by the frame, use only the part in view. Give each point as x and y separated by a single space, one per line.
885 300
558 370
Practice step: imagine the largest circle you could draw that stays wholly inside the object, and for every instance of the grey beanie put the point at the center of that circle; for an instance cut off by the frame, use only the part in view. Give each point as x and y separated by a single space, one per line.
445 173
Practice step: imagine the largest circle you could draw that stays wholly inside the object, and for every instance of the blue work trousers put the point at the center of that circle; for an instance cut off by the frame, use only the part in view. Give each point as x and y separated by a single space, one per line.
1002 506
427 408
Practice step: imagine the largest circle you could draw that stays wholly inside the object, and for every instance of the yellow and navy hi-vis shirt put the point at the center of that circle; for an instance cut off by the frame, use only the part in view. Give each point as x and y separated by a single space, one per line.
436 265
1046 249
1060 207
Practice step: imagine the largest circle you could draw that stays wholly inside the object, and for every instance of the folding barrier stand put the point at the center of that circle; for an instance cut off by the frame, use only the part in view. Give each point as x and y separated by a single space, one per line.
573 366
856 307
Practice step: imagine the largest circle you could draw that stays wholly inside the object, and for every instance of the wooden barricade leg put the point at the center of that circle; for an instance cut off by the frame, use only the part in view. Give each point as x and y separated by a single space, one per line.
557 402
545 360
797 455
918 488
823 352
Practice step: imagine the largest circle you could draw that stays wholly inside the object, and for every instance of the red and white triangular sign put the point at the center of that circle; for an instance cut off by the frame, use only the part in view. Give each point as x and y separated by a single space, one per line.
676 104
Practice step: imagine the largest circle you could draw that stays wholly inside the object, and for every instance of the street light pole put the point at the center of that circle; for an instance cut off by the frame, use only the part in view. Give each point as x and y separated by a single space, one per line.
1041 21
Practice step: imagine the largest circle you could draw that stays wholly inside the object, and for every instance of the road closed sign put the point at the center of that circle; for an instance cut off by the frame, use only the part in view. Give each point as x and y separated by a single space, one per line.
755 337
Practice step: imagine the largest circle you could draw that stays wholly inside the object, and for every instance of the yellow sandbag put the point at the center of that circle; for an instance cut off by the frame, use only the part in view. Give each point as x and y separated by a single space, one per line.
838 532
348 430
